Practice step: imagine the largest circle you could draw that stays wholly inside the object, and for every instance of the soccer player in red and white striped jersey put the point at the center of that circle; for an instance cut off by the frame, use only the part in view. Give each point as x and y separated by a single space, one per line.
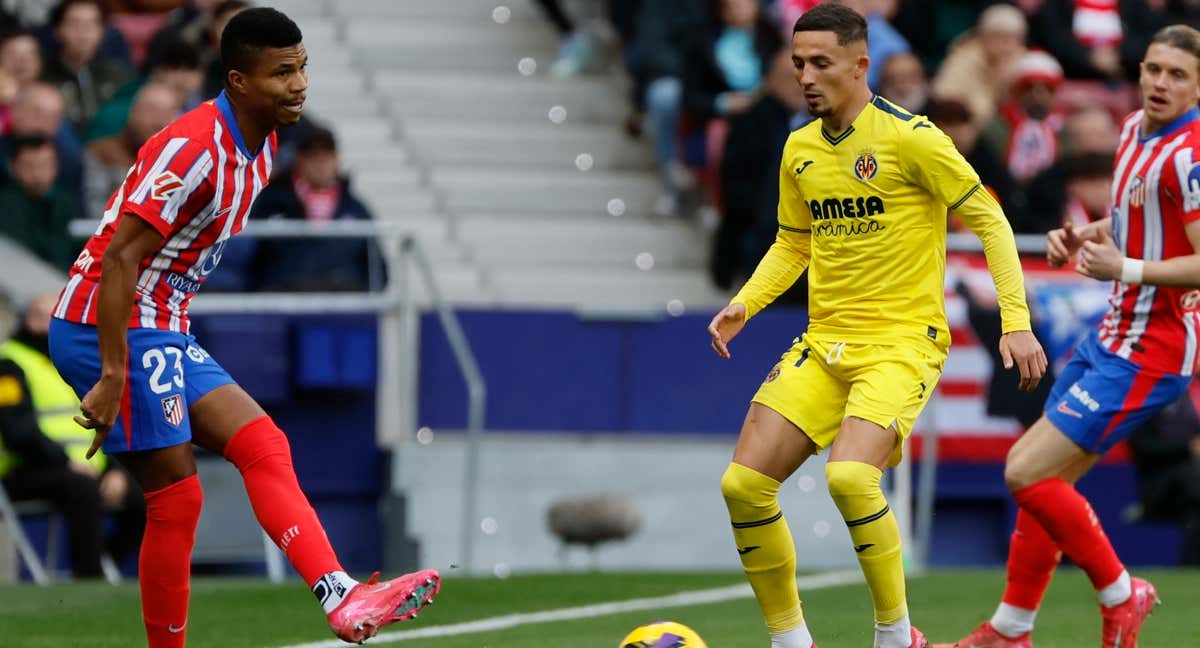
1139 361
121 338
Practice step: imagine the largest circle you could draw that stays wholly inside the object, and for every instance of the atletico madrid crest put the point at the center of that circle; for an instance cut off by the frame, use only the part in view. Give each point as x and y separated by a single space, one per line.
1137 192
172 407
866 166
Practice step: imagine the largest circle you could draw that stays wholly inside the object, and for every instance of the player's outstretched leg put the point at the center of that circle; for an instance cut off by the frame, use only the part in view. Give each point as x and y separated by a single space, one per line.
1032 558
1032 474
356 611
767 551
855 489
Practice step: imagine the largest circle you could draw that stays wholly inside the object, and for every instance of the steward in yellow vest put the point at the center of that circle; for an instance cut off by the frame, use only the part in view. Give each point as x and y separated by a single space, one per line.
42 451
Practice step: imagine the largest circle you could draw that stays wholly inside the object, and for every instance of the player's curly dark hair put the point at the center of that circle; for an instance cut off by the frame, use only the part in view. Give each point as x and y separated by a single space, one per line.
252 30
848 24
1180 37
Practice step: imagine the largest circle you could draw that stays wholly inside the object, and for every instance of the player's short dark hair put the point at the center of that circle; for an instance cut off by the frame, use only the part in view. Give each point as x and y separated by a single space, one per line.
1180 37
59 12
23 143
177 54
317 139
253 30
848 24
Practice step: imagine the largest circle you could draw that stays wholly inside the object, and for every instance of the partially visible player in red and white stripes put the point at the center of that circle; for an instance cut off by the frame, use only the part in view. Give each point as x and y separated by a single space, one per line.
1154 199
1140 360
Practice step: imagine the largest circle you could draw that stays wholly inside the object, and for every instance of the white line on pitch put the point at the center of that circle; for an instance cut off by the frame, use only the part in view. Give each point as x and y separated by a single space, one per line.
682 599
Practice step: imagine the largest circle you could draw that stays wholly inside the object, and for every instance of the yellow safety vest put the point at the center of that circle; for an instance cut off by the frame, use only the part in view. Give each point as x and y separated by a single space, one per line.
55 403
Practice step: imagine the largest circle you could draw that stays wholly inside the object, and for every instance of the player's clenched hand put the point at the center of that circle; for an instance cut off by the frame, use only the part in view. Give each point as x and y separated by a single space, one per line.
100 407
1061 244
1022 349
725 326
1100 259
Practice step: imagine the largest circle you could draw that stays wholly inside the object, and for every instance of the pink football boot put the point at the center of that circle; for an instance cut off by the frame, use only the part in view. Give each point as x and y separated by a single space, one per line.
372 605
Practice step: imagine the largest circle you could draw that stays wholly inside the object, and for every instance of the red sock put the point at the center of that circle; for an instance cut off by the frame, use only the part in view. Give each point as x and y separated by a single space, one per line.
1069 520
261 452
1032 557
164 565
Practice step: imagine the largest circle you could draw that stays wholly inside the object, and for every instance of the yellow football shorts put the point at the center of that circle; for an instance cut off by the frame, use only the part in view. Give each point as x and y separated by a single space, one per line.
817 384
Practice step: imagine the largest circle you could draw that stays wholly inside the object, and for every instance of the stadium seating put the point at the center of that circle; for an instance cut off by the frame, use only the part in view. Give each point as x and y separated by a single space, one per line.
443 133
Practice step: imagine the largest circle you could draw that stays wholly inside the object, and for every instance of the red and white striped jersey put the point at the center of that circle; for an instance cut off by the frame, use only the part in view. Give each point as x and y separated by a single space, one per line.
194 182
1155 193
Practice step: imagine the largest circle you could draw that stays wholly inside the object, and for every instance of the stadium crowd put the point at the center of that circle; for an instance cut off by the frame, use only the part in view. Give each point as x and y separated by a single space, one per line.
84 83
1030 92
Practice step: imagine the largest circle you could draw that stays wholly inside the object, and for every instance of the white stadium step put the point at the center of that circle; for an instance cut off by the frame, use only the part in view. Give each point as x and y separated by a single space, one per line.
516 97
469 189
458 142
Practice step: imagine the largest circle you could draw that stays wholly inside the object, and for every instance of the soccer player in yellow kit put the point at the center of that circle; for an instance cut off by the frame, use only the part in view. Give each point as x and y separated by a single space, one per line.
864 192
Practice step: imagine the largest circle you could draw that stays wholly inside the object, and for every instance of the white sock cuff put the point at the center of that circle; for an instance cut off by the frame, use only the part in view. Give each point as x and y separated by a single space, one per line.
1012 621
798 637
1117 592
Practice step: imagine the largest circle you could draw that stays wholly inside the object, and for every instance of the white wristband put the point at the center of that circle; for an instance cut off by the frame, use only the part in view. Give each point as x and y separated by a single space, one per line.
1131 271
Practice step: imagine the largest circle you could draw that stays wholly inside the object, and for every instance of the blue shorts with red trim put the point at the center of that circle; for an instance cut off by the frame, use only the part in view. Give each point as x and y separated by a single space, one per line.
1100 398
167 372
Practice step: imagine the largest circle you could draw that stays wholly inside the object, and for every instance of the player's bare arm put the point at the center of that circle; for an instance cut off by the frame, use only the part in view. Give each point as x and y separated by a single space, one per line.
1102 260
133 241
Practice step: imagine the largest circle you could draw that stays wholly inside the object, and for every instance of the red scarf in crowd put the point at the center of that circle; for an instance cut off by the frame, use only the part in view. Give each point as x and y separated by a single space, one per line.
1097 23
319 204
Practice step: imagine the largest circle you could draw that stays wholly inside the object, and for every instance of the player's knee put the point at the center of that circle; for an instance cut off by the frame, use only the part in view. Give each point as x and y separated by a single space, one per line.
1017 475
748 486
178 503
852 479
257 440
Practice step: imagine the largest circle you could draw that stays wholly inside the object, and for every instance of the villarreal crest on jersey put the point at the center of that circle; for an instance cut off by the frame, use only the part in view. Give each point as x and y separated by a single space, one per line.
874 198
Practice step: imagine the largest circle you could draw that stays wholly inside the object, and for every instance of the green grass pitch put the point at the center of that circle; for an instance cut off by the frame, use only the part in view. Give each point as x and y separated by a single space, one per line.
241 613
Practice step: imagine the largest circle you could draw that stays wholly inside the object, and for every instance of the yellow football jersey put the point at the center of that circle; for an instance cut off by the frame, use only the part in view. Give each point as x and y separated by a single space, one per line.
872 203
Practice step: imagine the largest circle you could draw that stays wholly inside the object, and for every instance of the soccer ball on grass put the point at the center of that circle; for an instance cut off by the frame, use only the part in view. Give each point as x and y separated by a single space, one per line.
663 634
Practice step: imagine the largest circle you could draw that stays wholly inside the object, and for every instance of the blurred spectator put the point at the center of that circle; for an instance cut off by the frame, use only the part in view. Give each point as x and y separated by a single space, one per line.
36 212
1077 185
177 65
954 118
665 29
723 73
314 191
750 174
1089 188
1027 127
905 84
20 66
108 159
884 42
38 111
138 21
85 78
1166 451
575 46
199 24
978 71
1004 398
1096 39
42 450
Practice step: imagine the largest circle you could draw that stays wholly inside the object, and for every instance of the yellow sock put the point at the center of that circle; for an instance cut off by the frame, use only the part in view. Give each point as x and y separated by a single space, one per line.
855 490
765 544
